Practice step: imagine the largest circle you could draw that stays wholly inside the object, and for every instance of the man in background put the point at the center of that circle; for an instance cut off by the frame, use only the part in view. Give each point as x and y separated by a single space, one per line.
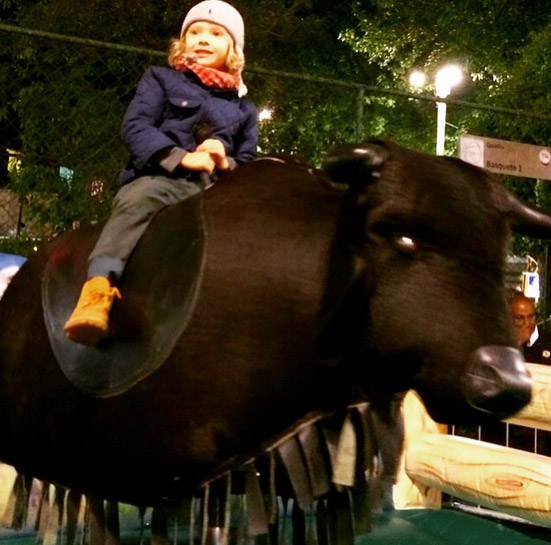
533 340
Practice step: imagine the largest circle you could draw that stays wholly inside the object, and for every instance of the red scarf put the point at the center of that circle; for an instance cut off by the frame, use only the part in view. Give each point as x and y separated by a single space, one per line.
211 77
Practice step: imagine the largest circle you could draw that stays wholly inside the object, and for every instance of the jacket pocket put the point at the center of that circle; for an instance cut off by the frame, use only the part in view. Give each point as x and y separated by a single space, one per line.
181 115
183 105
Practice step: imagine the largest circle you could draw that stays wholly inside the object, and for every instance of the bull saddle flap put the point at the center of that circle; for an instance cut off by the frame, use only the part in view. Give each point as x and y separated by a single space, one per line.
158 289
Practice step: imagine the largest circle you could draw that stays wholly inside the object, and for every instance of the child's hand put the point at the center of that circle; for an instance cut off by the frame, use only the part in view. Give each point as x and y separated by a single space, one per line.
216 150
198 160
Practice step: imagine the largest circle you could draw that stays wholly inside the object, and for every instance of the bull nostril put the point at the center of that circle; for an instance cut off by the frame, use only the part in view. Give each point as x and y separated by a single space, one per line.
486 381
497 381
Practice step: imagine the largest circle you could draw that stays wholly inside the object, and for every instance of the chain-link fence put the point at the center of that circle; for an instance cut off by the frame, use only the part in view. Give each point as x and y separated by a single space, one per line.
62 104
62 100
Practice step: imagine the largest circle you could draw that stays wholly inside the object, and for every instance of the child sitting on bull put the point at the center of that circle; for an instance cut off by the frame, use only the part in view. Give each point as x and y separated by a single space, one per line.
185 120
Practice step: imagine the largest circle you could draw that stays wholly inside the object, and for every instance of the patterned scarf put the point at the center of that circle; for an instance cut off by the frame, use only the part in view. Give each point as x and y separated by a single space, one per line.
211 77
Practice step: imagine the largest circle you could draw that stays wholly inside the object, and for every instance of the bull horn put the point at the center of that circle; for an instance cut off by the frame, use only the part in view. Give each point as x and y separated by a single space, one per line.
527 220
345 164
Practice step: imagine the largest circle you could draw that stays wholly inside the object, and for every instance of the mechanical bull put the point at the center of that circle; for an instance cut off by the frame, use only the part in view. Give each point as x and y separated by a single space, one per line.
296 301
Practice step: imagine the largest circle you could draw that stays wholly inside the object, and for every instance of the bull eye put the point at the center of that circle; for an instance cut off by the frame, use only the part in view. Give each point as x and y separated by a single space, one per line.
405 244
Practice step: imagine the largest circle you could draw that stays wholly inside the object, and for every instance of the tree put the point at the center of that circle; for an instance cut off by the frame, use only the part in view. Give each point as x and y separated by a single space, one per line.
67 101
503 46
501 43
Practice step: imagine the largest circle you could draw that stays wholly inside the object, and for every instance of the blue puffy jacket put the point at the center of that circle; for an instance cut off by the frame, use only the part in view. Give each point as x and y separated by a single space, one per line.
173 112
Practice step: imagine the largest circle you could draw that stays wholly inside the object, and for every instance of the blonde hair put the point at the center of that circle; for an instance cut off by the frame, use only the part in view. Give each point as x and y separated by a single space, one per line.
235 61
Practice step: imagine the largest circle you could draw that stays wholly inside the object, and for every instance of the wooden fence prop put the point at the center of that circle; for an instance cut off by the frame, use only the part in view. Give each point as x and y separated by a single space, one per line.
503 479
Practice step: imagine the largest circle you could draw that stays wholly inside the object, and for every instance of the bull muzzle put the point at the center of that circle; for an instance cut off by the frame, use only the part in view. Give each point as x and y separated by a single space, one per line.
497 381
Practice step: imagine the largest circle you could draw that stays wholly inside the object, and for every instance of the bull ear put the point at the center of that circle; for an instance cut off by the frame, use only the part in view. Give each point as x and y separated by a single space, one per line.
527 220
354 164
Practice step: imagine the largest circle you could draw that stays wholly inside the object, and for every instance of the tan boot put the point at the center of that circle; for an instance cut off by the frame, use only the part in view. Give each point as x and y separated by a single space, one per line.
89 322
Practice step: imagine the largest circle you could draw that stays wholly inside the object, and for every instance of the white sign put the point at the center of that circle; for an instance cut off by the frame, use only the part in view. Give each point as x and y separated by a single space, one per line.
504 157
531 284
9 265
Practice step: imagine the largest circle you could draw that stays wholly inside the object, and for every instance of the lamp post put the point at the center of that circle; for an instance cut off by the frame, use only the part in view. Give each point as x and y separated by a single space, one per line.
446 78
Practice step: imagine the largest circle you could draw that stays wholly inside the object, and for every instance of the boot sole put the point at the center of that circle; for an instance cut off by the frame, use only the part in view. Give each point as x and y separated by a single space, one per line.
85 332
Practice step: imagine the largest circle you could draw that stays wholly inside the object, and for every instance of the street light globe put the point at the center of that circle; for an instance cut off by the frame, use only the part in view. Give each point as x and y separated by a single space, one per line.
447 77
417 79
265 114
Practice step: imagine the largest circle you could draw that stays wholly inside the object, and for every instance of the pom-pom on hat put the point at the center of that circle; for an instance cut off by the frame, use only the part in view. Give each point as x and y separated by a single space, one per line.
220 13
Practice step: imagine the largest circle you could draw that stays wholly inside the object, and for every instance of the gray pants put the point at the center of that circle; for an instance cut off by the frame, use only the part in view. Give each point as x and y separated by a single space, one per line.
135 206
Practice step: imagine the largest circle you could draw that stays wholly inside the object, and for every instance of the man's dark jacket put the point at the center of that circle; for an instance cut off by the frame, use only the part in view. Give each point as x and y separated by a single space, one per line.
540 351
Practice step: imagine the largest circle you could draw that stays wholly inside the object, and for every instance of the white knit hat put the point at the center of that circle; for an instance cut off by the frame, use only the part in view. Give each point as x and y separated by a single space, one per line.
220 13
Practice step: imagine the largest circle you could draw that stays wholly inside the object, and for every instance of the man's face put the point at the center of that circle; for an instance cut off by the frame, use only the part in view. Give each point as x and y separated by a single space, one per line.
523 316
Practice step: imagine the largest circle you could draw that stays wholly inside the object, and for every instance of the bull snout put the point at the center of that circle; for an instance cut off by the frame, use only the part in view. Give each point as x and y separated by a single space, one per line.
497 381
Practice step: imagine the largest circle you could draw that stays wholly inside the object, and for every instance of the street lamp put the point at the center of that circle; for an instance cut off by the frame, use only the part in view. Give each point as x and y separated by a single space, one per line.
265 114
446 78
417 79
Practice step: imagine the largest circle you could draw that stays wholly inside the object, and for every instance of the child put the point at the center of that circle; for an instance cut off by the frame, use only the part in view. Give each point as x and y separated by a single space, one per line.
184 120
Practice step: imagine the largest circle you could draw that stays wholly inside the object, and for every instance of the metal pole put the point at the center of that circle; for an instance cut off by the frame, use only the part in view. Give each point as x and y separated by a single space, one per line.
360 99
440 127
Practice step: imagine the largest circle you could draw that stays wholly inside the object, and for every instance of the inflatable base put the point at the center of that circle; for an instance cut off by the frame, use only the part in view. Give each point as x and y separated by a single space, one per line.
450 527
402 527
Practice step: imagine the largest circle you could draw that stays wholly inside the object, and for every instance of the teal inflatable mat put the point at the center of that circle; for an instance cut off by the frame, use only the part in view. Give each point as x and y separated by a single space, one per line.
449 527
402 527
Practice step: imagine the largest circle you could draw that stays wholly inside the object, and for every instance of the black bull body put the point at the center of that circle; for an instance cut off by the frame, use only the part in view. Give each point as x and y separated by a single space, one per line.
309 300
